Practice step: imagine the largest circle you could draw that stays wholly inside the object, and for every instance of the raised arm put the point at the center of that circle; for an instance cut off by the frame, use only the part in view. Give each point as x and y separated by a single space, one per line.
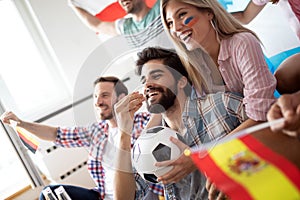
251 11
44 132
94 23
124 181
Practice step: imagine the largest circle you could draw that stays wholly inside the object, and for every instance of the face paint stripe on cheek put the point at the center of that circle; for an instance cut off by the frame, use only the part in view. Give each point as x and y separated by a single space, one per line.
190 21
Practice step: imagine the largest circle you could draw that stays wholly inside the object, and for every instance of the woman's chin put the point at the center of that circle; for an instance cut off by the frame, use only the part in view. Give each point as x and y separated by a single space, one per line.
190 46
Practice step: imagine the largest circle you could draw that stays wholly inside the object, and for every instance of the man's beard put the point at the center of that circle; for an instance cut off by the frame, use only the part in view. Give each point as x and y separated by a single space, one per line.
106 117
135 8
166 100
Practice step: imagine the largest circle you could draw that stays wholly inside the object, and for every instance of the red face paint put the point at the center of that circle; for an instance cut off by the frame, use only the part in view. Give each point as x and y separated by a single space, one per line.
190 21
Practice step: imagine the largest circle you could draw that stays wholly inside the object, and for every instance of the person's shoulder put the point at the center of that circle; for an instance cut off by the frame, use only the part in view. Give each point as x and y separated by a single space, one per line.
124 20
242 39
243 36
156 5
100 124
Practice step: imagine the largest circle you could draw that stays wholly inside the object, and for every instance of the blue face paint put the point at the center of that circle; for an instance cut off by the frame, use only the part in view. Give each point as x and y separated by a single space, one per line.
188 20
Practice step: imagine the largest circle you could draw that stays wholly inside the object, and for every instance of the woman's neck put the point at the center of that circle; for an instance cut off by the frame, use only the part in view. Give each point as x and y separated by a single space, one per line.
212 46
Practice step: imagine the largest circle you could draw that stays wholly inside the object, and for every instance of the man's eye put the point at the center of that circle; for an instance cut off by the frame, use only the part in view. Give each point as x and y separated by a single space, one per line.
155 77
143 81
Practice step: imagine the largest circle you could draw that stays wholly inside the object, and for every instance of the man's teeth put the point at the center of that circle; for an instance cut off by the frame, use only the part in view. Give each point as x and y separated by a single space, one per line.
152 94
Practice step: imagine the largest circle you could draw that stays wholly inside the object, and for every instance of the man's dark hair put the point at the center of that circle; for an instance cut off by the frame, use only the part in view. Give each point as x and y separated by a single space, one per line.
169 58
119 86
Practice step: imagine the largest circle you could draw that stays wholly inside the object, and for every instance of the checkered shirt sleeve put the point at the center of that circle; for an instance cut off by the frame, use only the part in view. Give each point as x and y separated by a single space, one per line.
213 116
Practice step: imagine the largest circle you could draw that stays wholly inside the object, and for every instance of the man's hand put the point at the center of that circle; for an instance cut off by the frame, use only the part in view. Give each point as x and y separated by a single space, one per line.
213 192
7 116
287 106
182 166
125 109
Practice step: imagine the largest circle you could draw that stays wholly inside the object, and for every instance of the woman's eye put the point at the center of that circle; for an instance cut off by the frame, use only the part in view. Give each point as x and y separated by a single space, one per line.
181 15
169 24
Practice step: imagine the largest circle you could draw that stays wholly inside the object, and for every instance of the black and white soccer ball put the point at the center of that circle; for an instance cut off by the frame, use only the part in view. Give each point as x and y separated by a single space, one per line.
153 146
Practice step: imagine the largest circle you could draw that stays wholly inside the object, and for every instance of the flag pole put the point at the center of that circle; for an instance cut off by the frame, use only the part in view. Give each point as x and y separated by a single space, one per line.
227 138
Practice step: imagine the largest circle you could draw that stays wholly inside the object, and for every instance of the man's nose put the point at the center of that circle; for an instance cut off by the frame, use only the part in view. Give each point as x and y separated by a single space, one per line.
98 101
148 87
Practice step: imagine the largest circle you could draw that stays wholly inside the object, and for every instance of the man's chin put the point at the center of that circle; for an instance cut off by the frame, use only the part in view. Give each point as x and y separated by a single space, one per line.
105 117
156 108
128 9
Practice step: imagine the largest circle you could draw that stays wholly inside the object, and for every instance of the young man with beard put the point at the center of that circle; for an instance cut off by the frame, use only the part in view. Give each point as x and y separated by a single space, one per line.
141 27
99 139
167 90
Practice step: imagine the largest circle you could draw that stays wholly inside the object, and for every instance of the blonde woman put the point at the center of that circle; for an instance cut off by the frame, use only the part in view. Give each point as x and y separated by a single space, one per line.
217 50
220 54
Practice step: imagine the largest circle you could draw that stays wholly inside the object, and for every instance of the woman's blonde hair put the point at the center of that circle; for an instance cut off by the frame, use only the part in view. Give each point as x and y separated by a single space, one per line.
225 26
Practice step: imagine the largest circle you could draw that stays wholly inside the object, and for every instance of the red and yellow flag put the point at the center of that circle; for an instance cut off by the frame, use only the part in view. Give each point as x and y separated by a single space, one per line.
27 139
244 168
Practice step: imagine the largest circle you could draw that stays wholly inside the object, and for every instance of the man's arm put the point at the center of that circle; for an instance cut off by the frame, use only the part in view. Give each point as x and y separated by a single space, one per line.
94 23
124 181
251 11
288 107
44 132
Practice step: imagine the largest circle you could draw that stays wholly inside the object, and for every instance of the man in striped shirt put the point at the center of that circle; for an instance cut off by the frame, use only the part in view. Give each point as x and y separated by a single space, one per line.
141 27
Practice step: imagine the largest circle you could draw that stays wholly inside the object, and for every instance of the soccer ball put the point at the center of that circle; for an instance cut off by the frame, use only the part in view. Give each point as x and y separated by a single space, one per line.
153 146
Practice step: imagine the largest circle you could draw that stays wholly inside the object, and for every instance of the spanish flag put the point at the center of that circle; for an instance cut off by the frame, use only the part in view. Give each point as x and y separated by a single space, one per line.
27 138
244 168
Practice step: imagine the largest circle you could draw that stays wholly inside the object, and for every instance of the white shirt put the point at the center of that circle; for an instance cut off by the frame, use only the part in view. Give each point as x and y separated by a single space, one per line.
108 162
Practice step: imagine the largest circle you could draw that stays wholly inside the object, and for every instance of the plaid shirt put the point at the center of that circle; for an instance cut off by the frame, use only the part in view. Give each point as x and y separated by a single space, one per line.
94 138
207 118
212 116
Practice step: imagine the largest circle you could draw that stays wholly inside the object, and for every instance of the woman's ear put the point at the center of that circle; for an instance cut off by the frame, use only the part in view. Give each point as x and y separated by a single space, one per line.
210 15
182 82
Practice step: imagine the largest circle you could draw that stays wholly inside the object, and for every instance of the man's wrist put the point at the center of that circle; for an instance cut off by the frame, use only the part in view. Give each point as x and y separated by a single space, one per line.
123 162
125 141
